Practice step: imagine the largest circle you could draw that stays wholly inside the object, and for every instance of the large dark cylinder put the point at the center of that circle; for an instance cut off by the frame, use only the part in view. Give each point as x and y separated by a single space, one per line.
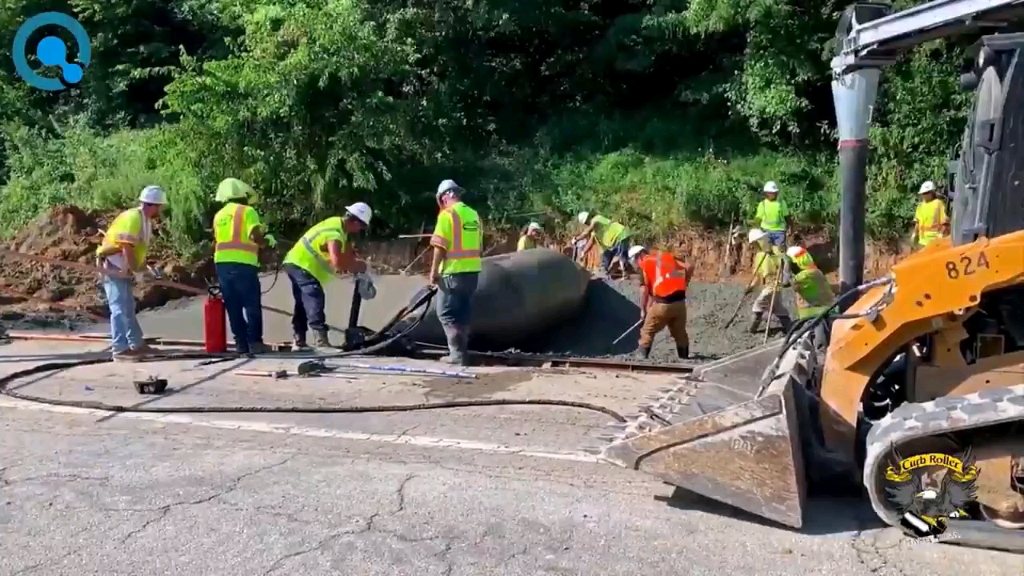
519 297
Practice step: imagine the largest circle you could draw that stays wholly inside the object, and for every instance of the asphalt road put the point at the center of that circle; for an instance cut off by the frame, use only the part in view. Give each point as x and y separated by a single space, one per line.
491 491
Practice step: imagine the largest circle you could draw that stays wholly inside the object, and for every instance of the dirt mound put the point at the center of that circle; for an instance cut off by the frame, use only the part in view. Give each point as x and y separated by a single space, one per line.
70 234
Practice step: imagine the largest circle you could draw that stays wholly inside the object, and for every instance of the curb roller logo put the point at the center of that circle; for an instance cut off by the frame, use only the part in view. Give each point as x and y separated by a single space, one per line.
51 51
929 489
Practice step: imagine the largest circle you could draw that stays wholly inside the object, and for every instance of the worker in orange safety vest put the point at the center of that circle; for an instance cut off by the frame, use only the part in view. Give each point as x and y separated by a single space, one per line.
930 219
663 301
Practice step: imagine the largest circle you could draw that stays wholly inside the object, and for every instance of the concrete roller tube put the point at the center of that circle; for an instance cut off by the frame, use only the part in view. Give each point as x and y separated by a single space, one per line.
519 297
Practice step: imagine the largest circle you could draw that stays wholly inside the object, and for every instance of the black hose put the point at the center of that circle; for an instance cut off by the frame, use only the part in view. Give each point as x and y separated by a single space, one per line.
798 330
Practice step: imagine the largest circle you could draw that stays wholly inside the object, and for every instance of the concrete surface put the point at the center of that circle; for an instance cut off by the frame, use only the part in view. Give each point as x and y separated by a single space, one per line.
449 492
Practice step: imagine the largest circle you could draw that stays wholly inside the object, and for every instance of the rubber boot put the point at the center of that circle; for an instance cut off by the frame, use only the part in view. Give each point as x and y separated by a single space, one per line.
643 352
755 321
683 352
786 323
322 339
454 337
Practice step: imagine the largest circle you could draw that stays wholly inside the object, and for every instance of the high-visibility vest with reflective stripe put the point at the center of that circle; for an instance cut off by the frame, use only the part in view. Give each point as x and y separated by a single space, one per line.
231 227
803 259
930 218
813 293
127 228
607 232
767 265
525 243
772 213
459 231
662 275
310 252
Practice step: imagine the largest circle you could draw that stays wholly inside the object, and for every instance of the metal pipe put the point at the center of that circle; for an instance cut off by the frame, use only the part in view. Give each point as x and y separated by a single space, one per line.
404 370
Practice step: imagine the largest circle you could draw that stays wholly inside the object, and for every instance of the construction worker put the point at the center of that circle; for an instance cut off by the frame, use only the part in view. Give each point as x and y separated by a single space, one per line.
773 216
530 237
455 267
768 271
611 236
930 220
323 251
813 292
124 250
238 235
663 300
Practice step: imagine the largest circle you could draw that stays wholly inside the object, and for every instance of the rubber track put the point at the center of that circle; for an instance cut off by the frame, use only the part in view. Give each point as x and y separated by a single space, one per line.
941 416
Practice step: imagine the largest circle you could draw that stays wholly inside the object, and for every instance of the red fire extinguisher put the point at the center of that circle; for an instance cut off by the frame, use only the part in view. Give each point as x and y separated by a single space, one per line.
215 330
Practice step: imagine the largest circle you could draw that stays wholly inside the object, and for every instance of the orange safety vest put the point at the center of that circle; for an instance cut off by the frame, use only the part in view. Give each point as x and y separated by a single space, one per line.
662 275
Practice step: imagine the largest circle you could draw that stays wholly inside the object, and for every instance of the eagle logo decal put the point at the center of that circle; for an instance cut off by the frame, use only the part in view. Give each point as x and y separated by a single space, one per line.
929 489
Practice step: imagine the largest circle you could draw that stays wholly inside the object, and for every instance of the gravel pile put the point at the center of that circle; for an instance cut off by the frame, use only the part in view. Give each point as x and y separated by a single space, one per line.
613 306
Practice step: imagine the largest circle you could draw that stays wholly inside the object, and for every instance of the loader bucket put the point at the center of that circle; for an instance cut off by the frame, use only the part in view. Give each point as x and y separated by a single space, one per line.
722 440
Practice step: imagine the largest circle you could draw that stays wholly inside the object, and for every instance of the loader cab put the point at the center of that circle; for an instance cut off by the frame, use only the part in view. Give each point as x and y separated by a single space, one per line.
988 185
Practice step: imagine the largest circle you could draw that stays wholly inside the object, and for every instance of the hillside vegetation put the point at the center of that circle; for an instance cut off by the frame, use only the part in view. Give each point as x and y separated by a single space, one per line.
660 112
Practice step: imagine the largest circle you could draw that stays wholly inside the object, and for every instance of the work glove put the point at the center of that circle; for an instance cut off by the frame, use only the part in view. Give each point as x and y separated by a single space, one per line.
155 273
365 287
271 241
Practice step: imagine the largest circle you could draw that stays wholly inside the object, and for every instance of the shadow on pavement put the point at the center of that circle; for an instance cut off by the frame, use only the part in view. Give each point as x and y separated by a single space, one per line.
606 315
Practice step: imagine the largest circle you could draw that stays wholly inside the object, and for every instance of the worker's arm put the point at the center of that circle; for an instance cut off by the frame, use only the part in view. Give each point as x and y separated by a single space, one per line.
590 242
687 269
758 215
344 259
789 224
443 230
128 253
645 296
944 221
587 232
256 235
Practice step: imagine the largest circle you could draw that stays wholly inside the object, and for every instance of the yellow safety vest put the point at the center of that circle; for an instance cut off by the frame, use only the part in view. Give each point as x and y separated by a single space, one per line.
231 229
772 215
309 253
813 293
766 265
608 233
803 259
127 228
525 243
459 232
930 217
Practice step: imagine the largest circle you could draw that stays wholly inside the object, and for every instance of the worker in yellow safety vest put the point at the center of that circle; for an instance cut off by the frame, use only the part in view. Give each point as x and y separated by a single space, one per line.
930 220
123 250
238 236
610 235
814 294
455 267
530 237
323 251
773 216
768 271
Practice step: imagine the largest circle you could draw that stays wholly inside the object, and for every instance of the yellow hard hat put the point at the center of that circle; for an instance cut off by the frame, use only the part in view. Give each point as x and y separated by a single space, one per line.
234 189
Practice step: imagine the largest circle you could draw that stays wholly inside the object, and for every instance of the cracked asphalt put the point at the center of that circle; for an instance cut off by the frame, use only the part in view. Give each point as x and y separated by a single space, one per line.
83 492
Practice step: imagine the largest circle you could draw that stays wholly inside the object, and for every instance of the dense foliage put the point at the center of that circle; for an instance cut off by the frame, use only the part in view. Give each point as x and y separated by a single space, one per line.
657 111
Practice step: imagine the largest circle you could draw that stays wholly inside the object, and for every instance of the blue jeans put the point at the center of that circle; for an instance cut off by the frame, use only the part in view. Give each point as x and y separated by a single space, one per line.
620 250
308 311
455 299
776 237
125 331
240 288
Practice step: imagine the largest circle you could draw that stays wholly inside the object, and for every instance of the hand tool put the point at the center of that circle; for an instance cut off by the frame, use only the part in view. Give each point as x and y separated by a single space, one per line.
275 374
151 385
319 368
630 329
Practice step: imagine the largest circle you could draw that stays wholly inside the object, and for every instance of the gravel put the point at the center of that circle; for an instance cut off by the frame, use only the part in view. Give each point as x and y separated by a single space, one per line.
613 307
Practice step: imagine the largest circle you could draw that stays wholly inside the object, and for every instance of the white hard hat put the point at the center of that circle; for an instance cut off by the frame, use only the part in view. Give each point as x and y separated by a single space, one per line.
634 250
927 187
583 217
447 186
534 226
793 251
755 234
153 195
361 211
771 187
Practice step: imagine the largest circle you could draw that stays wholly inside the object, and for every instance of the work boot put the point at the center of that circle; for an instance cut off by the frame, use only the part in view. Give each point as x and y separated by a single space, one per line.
322 340
455 347
643 352
683 352
786 323
258 348
126 356
299 342
755 321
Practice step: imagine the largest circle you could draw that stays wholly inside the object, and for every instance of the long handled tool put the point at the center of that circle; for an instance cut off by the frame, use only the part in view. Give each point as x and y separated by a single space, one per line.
771 306
626 333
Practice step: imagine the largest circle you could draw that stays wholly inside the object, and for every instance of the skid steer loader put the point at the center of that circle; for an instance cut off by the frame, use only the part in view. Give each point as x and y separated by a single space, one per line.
927 360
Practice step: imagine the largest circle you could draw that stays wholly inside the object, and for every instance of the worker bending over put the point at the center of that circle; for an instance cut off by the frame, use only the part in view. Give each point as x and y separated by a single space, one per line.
813 292
124 249
773 216
455 267
663 300
930 220
238 235
322 252
611 236
530 237
768 271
